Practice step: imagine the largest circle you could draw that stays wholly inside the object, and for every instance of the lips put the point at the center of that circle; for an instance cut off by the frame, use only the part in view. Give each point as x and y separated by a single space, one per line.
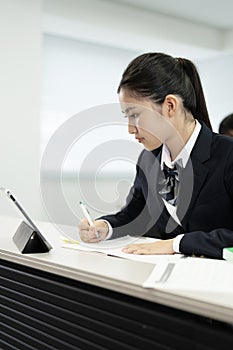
139 139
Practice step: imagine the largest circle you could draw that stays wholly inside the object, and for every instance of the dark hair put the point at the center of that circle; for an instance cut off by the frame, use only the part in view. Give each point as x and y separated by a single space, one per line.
226 124
155 75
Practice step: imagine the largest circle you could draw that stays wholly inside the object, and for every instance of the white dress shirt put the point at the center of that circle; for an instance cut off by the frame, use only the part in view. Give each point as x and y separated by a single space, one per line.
184 156
166 158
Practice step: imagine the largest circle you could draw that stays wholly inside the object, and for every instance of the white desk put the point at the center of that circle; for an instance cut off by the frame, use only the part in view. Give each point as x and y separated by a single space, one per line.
103 275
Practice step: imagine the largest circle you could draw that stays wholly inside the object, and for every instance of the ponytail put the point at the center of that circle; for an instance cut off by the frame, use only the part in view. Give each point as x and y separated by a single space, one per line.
156 75
200 112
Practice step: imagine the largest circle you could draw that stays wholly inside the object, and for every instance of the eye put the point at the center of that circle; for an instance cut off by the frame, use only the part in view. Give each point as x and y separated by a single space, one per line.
134 116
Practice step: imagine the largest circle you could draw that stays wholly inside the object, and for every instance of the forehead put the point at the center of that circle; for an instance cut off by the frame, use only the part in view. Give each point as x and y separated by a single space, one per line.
129 103
127 97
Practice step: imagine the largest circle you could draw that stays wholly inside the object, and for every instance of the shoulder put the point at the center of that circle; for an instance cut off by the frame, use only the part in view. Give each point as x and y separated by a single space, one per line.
149 155
147 159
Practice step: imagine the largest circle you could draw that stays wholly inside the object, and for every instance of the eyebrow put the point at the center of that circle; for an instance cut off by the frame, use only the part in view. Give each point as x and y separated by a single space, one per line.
128 110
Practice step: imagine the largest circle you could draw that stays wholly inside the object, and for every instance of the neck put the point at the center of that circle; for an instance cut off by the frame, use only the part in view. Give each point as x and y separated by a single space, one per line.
181 136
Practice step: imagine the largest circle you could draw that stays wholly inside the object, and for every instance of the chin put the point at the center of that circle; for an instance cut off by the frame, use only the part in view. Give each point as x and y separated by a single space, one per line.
152 147
149 148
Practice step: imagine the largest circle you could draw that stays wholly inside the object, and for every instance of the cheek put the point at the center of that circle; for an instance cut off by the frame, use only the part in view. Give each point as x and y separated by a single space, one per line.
154 125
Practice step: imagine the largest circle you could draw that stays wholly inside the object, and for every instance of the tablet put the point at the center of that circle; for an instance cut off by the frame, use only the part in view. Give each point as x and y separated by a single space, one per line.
26 216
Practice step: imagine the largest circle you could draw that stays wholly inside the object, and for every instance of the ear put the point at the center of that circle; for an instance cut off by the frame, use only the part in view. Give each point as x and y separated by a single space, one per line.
170 105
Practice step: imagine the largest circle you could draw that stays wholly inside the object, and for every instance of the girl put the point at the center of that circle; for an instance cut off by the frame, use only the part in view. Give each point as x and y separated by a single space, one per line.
183 189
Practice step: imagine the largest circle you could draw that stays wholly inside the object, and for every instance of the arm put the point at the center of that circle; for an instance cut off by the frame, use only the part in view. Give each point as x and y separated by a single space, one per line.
133 217
211 243
208 242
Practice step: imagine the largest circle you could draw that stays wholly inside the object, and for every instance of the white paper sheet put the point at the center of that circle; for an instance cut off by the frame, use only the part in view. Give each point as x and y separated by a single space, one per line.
114 248
192 274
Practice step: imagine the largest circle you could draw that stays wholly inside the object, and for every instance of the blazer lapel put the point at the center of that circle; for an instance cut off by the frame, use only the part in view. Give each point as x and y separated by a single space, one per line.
191 182
194 174
157 208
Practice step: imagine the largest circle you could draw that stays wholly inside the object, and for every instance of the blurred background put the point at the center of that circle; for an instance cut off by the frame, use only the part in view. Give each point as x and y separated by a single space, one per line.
60 58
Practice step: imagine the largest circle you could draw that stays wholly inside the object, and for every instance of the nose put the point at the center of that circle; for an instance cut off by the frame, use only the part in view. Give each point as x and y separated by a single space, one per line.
132 129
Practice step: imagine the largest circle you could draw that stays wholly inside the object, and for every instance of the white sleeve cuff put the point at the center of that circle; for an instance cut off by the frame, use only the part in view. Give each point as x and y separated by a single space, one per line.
110 230
176 243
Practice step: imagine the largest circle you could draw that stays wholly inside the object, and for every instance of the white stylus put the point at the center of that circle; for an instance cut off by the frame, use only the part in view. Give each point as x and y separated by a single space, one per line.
87 216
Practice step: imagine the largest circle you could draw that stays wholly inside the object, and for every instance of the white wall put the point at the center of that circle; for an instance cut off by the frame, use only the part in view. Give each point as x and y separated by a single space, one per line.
20 68
76 76
114 37
112 24
79 81
217 77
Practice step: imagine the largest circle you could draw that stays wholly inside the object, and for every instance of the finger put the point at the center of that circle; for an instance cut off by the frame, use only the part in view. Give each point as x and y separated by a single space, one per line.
84 233
94 235
101 227
94 240
129 249
89 237
141 252
90 240
84 236
83 224
134 246
136 251
83 227
94 232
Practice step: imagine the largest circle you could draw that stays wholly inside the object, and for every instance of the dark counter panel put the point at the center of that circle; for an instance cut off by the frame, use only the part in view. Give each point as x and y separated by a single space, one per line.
43 311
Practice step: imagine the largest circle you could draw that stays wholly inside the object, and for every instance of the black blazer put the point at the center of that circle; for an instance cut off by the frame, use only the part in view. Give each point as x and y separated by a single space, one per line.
205 200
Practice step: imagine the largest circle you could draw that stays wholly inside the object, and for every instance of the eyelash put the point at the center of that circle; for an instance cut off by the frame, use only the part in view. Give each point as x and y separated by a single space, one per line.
134 116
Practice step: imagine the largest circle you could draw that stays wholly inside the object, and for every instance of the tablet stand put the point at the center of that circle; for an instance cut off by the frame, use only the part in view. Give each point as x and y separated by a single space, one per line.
29 240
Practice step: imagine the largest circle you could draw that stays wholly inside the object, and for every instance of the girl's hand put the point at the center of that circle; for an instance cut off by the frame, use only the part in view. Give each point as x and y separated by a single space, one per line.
92 234
159 247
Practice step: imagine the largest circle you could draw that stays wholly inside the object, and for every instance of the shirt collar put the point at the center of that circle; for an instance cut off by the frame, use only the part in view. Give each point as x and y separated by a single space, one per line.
184 154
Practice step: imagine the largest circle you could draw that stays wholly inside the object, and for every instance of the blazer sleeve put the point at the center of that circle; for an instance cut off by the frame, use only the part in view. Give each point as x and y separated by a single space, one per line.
134 217
211 244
